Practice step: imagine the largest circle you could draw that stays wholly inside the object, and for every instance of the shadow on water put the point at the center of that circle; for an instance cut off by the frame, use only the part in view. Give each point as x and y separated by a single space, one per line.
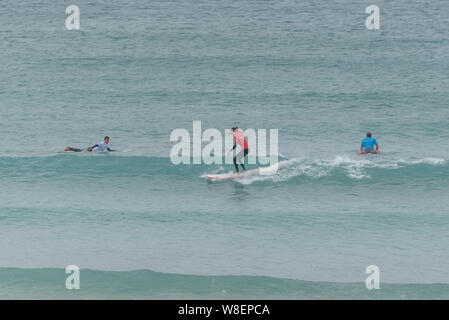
240 192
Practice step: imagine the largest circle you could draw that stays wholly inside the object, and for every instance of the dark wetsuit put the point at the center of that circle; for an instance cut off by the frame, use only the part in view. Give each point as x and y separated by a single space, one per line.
88 149
240 139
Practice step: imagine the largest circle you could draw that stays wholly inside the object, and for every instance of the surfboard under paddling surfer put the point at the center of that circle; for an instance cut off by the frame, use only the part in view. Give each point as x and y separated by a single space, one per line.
239 139
101 146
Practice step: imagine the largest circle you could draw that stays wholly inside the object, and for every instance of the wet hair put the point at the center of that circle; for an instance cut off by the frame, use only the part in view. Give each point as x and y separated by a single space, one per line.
368 134
234 128
106 137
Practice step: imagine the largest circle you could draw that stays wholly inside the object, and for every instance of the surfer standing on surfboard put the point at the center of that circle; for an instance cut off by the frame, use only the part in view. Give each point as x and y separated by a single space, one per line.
239 138
368 145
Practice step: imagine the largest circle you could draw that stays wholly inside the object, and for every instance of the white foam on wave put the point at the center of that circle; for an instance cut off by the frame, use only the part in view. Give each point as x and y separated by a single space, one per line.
430 161
355 168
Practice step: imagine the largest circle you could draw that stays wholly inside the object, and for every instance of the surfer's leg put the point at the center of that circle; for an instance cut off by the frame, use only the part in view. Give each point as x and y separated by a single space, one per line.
235 164
245 153
73 149
239 158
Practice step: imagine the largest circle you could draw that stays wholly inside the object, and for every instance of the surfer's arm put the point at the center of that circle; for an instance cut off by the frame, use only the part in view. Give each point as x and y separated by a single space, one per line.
90 149
361 148
377 147
233 148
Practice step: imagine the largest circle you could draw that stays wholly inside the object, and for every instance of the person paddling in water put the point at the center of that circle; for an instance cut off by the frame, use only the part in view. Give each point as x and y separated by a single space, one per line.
368 144
239 139
98 147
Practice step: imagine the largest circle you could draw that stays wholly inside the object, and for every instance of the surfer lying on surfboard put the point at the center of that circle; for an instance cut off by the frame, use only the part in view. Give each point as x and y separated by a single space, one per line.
368 144
239 138
97 147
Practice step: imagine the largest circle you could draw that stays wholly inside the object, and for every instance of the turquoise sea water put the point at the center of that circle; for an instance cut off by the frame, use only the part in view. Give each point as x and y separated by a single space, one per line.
139 226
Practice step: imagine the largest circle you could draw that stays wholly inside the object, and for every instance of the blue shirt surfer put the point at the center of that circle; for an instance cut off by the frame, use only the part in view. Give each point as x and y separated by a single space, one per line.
101 146
368 145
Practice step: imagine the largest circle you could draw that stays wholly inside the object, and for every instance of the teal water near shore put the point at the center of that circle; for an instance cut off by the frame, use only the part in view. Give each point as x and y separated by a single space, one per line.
139 226
144 284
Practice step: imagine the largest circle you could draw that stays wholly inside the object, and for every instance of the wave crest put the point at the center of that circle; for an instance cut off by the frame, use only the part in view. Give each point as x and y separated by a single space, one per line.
341 167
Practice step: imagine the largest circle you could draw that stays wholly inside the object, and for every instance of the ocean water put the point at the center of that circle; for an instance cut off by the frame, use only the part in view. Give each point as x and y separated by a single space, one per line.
139 226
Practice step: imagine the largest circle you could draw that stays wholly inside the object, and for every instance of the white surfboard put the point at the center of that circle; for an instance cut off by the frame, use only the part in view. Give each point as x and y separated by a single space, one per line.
262 171
225 176
232 175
